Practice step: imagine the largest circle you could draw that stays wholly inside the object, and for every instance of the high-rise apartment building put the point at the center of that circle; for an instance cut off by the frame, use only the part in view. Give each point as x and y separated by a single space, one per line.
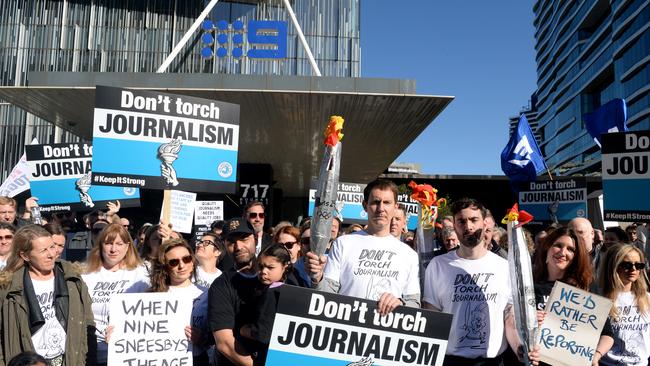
588 53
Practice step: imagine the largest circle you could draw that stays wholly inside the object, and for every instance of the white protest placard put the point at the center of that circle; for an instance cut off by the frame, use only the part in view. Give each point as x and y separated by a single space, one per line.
572 325
18 181
182 211
149 329
206 212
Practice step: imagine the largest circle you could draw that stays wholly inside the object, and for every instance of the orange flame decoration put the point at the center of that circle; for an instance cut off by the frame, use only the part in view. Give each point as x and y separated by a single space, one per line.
426 196
515 215
333 131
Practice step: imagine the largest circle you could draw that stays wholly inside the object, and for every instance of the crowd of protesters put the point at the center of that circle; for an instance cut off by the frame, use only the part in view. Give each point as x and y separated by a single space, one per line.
56 281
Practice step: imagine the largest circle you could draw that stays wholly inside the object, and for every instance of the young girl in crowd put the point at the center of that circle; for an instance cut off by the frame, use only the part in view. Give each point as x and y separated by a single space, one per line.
274 265
623 281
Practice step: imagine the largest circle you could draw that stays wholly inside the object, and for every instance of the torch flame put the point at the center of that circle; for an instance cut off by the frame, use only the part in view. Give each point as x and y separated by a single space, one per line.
333 131
172 147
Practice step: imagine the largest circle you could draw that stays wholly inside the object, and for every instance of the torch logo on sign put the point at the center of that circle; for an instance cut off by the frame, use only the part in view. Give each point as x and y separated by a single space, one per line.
83 185
168 153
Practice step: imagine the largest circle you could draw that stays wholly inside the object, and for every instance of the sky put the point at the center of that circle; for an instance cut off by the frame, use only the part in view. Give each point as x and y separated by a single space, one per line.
480 52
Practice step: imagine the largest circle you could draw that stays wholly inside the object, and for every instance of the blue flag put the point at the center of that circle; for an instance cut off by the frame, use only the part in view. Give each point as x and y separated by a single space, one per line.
521 159
610 117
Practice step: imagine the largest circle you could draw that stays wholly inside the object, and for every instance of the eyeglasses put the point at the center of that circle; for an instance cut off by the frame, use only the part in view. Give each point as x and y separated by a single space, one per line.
289 245
628 266
205 243
175 262
7 237
254 215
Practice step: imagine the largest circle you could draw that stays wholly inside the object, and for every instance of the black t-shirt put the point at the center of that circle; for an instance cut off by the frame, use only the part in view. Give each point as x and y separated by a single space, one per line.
231 301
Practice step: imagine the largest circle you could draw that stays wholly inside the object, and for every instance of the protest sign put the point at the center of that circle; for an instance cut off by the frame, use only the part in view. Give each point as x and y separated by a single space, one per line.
349 202
206 212
572 325
558 200
149 329
198 231
412 210
18 180
626 176
181 210
350 199
61 175
313 327
164 141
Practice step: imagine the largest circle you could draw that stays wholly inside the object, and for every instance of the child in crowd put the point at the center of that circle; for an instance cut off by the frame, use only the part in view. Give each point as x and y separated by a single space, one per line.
274 264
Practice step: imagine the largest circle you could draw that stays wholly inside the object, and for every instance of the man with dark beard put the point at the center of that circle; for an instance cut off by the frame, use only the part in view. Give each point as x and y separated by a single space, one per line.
231 296
473 284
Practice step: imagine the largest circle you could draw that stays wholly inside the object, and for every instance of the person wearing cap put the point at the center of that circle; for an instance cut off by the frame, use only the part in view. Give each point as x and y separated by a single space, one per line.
231 296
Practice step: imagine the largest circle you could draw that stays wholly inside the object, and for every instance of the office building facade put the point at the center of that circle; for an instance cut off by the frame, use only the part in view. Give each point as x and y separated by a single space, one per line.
588 53
136 36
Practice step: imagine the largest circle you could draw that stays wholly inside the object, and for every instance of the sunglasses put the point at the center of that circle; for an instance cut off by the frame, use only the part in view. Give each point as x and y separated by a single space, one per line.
175 262
289 245
205 243
254 215
628 266
7 237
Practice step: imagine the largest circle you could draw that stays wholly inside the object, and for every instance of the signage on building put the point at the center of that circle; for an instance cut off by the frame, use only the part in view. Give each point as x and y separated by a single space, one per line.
626 176
262 39
557 200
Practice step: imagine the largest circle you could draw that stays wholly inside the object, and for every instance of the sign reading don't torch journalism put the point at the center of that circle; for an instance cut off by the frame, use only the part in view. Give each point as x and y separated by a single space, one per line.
626 176
554 200
61 178
164 141
325 329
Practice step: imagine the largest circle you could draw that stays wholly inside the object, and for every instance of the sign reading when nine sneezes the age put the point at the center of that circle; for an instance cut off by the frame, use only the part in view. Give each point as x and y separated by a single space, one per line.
572 325
164 141
315 328
61 177
149 329
626 176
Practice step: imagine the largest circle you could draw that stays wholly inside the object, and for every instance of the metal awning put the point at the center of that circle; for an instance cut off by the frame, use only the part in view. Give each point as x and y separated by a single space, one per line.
282 117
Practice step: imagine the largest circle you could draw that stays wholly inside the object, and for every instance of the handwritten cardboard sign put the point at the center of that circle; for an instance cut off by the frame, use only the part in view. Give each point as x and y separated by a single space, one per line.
206 212
149 330
315 328
572 325
182 211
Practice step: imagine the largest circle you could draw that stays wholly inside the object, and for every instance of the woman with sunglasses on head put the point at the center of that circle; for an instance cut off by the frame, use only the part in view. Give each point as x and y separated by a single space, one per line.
7 232
623 281
173 271
209 251
44 304
112 267
289 237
